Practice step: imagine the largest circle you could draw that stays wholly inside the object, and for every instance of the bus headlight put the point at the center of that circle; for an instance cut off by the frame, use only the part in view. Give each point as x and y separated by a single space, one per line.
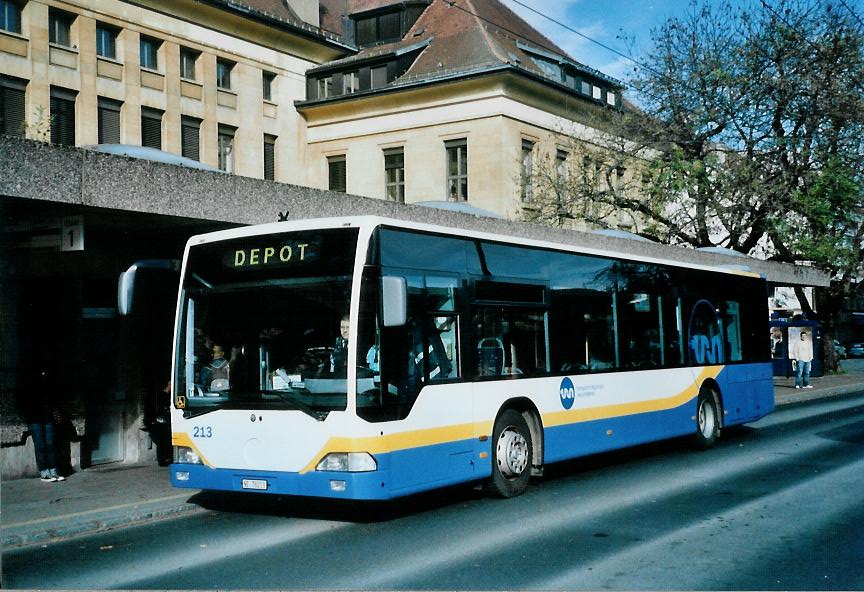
187 456
352 462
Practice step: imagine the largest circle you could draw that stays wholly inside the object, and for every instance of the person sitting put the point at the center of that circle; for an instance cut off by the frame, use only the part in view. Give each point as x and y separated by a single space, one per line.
215 376
339 355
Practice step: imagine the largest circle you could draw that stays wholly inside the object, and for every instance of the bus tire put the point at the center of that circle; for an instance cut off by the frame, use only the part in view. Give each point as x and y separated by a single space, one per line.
512 451
707 419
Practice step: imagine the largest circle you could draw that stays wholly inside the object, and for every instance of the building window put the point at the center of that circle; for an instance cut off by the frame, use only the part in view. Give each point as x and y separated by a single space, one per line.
337 173
223 74
610 98
269 157
188 62
351 82
620 171
106 41
457 169
325 87
561 164
527 170
586 88
12 96
60 27
597 92
10 16
394 174
226 147
550 68
267 80
190 137
151 128
379 29
150 53
109 120
63 116
379 76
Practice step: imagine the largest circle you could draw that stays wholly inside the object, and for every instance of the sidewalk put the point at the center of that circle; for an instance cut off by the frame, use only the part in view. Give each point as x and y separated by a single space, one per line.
90 500
111 496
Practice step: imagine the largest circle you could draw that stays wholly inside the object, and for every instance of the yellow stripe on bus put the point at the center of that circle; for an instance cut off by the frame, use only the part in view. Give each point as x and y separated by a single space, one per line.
622 409
443 435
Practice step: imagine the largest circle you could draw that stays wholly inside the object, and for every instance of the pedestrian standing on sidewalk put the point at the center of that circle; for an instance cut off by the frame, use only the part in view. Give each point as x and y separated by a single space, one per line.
802 353
39 410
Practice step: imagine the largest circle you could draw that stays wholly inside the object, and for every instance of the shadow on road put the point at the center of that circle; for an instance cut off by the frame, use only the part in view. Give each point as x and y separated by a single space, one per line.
336 510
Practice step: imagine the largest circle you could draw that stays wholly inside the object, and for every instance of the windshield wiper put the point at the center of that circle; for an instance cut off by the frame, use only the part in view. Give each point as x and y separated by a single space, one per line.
238 401
319 415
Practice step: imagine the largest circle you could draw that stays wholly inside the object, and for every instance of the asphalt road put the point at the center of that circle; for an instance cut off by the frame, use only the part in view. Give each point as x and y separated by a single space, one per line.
776 506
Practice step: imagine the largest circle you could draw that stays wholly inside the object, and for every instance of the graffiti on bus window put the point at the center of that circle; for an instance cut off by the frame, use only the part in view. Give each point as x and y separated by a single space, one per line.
706 337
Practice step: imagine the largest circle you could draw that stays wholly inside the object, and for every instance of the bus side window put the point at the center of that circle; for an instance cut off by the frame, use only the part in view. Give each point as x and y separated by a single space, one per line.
511 341
444 341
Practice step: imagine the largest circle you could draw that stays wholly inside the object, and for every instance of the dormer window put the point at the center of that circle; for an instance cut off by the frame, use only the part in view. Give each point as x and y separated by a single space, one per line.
550 68
325 87
379 76
380 28
350 82
386 24
362 75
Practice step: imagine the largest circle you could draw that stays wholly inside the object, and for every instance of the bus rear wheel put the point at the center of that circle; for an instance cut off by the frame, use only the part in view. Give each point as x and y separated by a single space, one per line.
707 418
512 451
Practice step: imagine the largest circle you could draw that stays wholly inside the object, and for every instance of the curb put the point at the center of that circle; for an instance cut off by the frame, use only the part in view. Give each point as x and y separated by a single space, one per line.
58 528
797 396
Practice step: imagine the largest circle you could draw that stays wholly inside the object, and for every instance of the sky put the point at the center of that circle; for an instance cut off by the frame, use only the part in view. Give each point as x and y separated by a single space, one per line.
605 21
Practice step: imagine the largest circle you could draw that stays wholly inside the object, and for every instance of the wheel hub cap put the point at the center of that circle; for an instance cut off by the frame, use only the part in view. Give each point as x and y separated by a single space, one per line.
511 453
706 419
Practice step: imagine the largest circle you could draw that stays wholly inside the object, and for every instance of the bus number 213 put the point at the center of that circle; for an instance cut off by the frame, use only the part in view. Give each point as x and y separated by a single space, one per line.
202 432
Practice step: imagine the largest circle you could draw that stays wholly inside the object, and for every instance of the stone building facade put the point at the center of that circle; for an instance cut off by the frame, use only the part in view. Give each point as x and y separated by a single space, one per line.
409 101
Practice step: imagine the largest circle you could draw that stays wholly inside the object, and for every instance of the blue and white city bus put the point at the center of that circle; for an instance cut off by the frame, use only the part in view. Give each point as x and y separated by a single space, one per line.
469 357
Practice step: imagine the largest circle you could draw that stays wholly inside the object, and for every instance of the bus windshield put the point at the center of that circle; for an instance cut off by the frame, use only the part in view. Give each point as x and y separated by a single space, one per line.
264 323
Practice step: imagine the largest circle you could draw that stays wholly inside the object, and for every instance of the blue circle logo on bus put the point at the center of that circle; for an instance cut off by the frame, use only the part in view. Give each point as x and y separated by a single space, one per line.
567 393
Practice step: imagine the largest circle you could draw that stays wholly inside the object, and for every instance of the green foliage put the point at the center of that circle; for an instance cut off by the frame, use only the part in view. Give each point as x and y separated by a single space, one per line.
824 218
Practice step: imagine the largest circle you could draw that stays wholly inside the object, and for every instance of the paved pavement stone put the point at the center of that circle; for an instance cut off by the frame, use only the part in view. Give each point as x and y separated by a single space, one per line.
112 496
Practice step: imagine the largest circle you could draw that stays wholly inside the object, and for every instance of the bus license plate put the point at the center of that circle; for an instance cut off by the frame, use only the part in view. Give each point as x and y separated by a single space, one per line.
259 484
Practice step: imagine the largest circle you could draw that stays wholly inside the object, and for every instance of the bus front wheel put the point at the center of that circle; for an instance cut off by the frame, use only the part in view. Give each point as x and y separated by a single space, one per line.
707 418
512 451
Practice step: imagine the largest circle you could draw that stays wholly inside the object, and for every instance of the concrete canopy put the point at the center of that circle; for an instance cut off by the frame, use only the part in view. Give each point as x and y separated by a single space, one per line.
37 171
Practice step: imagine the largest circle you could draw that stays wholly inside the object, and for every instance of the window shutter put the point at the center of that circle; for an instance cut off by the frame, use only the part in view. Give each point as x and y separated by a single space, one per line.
12 106
63 116
190 137
109 121
337 170
269 157
151 128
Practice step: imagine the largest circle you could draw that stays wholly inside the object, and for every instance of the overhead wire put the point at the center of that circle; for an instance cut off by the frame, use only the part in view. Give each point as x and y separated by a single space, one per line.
518 36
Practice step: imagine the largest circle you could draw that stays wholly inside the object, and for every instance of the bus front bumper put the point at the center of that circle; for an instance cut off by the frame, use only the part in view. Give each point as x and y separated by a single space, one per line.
370 485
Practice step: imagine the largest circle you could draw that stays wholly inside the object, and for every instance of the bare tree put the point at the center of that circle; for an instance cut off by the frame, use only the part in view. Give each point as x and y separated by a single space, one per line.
749 135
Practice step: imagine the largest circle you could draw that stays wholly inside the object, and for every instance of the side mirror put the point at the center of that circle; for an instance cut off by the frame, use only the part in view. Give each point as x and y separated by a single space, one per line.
126 290
126 282
394 301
